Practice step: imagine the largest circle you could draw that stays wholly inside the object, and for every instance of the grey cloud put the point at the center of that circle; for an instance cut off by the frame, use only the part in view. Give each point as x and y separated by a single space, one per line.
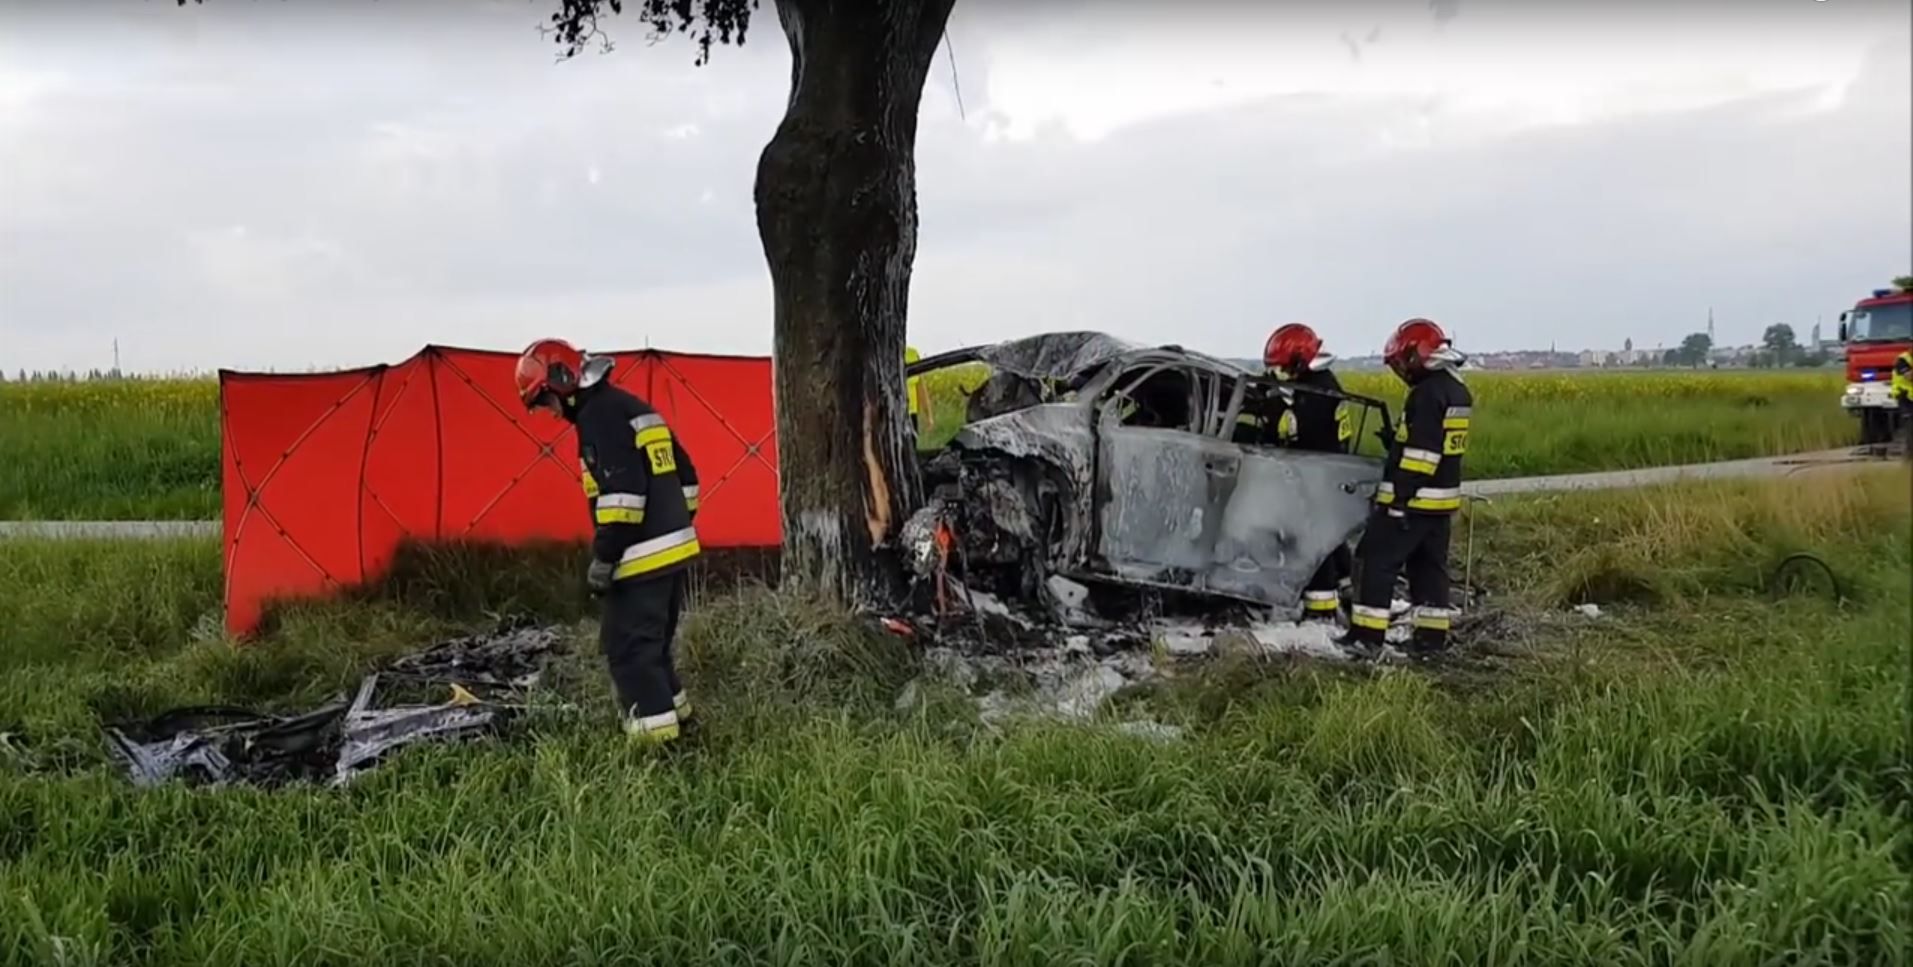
319 192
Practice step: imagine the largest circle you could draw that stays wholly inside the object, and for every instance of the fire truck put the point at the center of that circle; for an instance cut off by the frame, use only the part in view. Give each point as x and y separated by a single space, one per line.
1875 332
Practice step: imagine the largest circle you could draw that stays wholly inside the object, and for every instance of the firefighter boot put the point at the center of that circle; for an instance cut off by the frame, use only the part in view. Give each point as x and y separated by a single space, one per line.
1431 632
1320 606
651 730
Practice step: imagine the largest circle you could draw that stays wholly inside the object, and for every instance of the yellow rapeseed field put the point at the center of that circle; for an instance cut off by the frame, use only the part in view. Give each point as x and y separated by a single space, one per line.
1493 386
179 396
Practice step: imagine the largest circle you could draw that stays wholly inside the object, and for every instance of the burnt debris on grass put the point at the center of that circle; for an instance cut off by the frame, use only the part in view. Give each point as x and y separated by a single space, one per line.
484 678
1056 647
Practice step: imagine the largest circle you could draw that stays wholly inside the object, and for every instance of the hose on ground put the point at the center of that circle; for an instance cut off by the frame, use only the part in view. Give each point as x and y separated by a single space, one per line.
1791 564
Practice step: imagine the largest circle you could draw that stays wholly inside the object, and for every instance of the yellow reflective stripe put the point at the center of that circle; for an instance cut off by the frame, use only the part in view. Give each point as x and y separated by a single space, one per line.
654 729
1418 466
651 431
1385 494
1320 601
589 482
658 552
620 509
1374 619
1440 501
1344 423
1455 423
1432 622
690 496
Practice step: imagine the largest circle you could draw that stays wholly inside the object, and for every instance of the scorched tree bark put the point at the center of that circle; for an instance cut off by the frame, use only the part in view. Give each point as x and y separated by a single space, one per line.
837 212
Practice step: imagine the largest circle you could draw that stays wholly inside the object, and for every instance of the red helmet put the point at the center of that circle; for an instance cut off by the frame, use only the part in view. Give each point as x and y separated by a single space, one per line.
1413 344
548 366
1291 347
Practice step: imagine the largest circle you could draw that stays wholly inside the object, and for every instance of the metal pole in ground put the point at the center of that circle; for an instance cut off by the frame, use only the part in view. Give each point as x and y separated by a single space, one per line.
1468 556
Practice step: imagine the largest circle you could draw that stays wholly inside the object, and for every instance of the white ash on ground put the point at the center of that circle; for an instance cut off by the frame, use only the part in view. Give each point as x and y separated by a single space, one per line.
1072 675
1065 659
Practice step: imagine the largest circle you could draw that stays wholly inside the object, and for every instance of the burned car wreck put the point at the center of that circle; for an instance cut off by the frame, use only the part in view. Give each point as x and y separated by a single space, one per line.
1118 467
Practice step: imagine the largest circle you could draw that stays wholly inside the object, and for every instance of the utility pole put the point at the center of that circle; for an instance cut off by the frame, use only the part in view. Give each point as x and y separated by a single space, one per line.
116 357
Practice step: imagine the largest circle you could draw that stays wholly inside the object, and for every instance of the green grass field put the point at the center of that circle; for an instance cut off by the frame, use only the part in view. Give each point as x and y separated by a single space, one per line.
1703 776
121 450
150 449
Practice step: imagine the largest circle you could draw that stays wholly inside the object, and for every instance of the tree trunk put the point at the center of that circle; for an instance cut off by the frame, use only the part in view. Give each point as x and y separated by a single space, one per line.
837 212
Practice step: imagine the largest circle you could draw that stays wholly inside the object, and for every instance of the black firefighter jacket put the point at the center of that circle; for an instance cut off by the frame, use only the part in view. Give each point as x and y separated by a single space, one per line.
640 484
1424 464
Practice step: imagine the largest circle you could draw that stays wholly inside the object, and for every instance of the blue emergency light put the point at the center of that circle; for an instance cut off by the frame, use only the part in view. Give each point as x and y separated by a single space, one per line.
1866 376
1882 293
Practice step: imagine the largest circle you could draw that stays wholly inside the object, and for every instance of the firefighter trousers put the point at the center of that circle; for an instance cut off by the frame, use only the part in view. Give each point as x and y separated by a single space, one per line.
1321 597
636 632
1417 544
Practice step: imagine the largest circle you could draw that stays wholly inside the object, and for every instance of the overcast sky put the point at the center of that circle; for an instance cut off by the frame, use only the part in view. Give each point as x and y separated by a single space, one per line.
307 184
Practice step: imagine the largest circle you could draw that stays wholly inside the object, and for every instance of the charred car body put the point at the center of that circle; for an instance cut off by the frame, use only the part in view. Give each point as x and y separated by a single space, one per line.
1108 463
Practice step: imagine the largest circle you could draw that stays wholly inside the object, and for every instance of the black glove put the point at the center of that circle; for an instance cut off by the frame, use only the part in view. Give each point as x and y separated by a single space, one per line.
1389 516
598 577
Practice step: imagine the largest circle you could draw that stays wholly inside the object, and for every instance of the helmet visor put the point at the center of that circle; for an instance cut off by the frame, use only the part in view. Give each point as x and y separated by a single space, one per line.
545 400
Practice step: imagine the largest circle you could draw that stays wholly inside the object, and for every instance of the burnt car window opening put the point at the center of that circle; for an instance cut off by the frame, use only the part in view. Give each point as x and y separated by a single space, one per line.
1159 396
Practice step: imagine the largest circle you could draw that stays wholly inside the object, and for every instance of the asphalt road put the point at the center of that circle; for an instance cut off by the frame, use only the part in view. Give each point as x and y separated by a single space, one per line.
1648 476
1606 480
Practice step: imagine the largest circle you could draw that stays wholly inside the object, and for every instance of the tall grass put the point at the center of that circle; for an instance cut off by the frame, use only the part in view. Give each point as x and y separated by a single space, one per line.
1680 543
1716 780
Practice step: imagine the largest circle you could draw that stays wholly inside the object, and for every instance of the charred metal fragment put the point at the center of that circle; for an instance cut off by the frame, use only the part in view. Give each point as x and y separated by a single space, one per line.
216 745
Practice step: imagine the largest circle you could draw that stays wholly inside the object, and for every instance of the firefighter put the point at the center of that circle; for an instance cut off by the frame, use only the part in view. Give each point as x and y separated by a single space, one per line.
913 395
1418 496
1317 422
1902 393
913 385
642 492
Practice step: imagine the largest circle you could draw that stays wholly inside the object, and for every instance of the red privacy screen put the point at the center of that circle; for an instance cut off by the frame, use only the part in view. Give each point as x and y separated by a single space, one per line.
324 474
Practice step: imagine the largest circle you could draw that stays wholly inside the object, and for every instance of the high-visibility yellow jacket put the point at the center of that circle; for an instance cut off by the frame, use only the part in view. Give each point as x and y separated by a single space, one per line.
913 387
1903 376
